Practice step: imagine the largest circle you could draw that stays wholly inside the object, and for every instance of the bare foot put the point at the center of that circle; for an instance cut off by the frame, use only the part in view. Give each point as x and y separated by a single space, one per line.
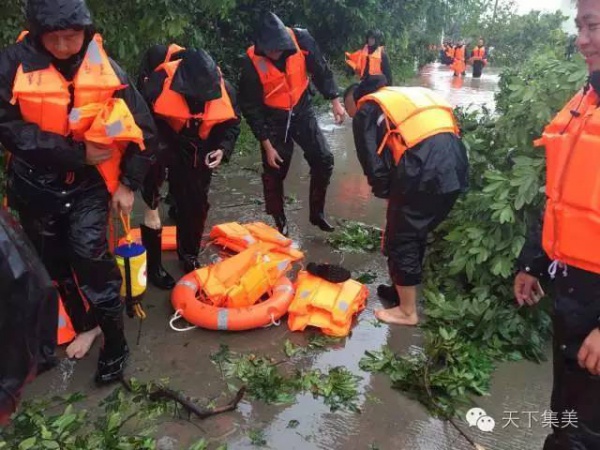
82 343
396 316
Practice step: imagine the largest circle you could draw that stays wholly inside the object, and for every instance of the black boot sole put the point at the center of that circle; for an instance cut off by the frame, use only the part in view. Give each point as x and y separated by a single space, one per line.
329 272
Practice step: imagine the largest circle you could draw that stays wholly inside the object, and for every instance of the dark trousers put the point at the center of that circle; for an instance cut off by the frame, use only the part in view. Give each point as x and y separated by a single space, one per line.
73 245
189 184
410 219
576 309
305 131
477 69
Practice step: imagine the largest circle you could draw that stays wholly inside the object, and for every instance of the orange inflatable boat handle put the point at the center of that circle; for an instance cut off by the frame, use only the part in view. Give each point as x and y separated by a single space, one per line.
187 305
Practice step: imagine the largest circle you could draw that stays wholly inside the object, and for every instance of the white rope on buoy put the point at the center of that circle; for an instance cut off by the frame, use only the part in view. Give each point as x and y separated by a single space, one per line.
273 322
176 317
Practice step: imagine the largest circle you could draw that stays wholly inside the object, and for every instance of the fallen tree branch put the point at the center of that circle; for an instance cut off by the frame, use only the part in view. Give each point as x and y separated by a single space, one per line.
475 445
163 392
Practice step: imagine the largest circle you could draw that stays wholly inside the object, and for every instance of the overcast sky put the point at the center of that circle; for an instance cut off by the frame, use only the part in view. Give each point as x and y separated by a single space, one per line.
547 5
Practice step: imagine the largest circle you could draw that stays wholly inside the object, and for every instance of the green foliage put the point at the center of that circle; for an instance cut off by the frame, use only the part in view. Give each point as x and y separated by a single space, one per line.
315 342
121 424
472 321
515 37
257 438
367 277
355 236
515 40
265 379
225 27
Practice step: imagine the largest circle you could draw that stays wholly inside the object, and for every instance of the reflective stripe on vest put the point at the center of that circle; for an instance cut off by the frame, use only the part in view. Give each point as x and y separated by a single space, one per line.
282 90
572 219
412 115
172 106
43 97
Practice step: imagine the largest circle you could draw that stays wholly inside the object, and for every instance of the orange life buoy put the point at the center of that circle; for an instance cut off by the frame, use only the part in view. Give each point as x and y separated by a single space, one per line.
185 301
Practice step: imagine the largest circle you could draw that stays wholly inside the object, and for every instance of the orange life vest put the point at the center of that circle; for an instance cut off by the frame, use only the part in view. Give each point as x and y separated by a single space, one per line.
450 51
242 280
572 219
479 53
358 61
22 35
43 97
65 331
412 114
459 65
171 50
325 305
282 90
237 238
173 107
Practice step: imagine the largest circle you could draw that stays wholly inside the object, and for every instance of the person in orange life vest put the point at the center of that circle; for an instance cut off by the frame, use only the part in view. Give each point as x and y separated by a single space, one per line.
420 178
275 98
28 312
449 52
199 123
459 65
564 247
373 57
478 59
82 319
151 228
55 182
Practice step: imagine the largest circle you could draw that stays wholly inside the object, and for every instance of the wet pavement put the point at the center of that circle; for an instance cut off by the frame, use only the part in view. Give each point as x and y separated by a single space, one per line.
389 419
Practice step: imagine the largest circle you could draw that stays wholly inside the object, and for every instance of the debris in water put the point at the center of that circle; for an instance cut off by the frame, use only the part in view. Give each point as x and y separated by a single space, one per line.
355 237
257 438
293 424
367 277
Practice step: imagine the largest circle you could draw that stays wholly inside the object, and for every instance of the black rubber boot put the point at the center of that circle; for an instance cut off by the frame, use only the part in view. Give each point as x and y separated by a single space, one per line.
389 294
319 221
115 352
157 275
111 368
317 193
190 263
329 272
281 223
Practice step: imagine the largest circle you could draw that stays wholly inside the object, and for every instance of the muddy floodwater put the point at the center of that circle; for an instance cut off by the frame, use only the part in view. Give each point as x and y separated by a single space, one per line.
389 420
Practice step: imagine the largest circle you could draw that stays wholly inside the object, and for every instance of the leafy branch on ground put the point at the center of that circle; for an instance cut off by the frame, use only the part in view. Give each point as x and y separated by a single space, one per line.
123 421
355 236
267 380
472 322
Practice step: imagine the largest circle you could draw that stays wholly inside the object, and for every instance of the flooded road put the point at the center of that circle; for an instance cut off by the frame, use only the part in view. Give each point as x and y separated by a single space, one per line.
389 420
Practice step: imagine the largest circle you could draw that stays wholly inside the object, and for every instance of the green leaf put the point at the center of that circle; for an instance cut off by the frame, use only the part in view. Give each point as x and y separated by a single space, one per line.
50 444
28 443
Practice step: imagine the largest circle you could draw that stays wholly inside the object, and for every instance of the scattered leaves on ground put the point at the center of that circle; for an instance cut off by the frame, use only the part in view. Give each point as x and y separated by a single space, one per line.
356 237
